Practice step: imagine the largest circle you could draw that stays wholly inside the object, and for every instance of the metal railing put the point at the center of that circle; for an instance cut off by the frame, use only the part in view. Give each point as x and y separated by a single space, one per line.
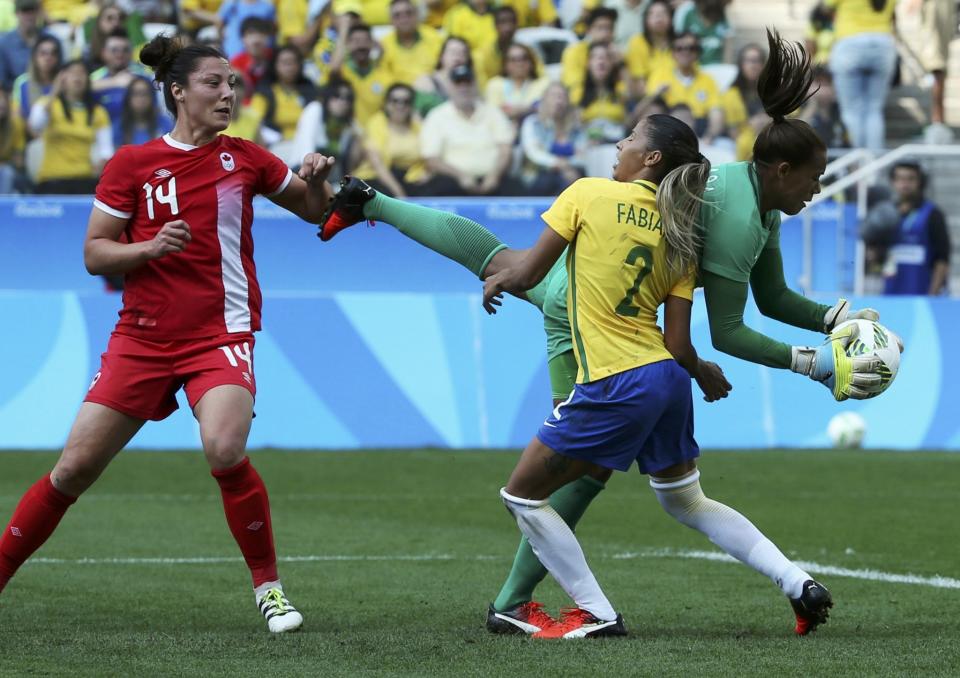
862 178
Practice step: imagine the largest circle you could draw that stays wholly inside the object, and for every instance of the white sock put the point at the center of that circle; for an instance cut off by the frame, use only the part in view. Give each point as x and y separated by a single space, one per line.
684 500
554 544
261 591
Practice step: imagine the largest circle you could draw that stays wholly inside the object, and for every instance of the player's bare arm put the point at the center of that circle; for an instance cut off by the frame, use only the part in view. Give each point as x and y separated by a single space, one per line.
676 337
103 254
308 193
527 272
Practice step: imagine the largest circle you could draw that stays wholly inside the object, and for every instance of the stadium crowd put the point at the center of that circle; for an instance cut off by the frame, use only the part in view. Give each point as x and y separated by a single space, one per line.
419 97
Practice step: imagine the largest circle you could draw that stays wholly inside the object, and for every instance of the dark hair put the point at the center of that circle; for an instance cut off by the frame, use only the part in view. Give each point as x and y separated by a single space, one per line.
592 89
712 10
821 18
359 28
398 87
256 24
443 48
334 85
173 63
600 13
34 90
784 86
878 5
505 9
118 32
271 75
89 103
912 165
748 90
127 121
531 57
680 193
687 34
646 12
97 38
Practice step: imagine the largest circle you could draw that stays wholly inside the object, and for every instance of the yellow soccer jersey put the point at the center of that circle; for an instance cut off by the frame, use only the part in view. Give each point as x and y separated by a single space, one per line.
406 64
618 274
477 29
68 143
368 90
700 93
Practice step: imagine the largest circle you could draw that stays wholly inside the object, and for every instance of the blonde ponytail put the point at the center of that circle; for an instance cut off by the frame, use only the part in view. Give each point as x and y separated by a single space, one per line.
679 198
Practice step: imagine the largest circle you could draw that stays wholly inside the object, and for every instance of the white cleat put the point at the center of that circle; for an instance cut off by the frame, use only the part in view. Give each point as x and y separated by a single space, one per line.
281 616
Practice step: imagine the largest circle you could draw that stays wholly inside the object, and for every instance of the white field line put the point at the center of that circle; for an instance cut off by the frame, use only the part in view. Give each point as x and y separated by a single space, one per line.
715 556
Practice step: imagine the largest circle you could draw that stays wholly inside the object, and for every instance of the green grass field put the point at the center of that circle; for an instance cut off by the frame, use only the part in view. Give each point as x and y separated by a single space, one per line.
393 557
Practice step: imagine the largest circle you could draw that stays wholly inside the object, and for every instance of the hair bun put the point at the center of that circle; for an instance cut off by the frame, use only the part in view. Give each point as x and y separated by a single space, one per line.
159 54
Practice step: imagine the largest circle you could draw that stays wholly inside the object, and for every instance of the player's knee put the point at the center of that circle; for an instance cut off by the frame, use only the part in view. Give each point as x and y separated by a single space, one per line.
74 476
224 450
682 498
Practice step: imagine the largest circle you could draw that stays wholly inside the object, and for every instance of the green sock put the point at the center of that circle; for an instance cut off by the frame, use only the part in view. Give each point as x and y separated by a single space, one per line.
465 241
570 501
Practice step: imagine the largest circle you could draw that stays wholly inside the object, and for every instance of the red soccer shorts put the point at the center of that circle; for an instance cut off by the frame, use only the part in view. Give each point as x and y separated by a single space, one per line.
140 377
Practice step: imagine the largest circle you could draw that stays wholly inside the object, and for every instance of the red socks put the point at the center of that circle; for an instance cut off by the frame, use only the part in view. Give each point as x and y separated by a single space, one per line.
34 520
247 508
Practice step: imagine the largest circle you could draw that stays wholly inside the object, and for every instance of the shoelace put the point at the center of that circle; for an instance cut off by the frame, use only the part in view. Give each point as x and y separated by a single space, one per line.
572 618
274 598
536 615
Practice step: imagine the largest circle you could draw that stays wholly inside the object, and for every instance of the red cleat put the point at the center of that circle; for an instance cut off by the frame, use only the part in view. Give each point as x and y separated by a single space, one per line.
577 623
346 208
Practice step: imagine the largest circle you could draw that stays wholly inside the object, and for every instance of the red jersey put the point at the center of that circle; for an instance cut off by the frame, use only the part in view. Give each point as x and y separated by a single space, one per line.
211 287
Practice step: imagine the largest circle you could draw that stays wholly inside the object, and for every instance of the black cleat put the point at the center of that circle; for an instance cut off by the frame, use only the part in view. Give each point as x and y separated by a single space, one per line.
812 607
346 207
528 618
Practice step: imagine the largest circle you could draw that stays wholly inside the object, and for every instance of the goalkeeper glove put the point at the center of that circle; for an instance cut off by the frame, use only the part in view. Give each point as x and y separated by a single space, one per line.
829 364
840 312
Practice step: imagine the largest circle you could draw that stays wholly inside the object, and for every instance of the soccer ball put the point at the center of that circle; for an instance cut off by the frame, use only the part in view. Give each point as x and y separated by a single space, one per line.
876 340
846 430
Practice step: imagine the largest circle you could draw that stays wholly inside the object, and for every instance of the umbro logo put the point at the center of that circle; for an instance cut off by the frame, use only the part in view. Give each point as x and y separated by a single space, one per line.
163 173
15 531
255 525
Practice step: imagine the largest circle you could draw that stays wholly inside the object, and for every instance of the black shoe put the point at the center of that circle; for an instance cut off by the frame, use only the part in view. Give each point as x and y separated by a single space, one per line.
528 618
346 208
812 607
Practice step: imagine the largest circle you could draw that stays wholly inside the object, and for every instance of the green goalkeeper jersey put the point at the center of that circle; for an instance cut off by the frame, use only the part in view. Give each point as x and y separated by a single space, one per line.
735 234
741 246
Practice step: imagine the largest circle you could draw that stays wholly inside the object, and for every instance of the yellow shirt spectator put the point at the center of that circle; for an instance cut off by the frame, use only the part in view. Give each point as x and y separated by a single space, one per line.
211 6
406 64
368 89
245 126
437 10
643 60
699 92
14 139
69 142
573 64
607 106
287 106
71 11
533 12
618 274
397 150
858 16
464 22
292 18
